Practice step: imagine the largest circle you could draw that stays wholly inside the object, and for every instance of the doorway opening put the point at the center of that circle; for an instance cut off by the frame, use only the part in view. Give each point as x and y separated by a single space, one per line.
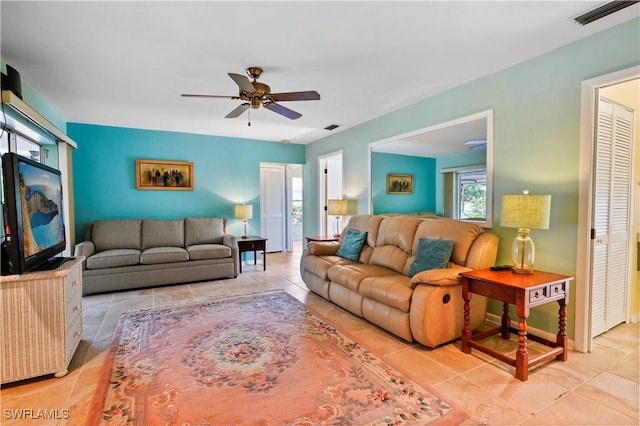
591 238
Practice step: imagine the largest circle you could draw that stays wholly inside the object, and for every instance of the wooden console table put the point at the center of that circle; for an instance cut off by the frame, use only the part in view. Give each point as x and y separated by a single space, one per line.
253 244
525 292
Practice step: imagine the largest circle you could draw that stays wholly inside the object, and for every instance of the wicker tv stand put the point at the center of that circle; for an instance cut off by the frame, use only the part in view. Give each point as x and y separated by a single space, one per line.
41 321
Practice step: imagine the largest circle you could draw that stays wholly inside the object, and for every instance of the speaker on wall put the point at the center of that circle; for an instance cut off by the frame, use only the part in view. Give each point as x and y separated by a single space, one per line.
11 81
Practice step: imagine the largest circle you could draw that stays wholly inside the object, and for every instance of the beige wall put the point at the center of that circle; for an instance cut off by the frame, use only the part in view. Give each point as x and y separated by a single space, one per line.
628 94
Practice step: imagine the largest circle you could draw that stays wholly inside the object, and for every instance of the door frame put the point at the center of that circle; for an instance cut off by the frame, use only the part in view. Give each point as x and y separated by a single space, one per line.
323 226
583 339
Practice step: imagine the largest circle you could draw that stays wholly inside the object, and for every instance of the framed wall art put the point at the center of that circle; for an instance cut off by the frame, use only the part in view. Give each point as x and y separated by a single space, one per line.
399 184
164 174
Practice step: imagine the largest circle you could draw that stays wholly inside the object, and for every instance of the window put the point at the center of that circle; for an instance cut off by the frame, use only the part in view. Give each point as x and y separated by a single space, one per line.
465 193
297 200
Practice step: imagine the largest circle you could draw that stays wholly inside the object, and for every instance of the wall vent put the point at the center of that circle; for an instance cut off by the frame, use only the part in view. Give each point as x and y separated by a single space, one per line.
332 126
602 11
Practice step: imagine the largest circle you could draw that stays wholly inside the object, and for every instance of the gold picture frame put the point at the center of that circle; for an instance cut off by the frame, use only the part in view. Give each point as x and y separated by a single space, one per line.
164 175
399 184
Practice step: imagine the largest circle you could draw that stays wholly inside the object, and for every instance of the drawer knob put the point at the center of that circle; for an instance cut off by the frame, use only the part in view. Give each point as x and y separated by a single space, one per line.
74 283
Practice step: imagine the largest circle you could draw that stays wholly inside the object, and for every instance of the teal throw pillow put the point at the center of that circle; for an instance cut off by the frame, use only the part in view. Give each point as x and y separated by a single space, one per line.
431 254
352 244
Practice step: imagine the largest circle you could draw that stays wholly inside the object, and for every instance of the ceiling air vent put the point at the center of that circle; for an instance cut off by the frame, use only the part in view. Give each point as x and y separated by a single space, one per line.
602 11
332 126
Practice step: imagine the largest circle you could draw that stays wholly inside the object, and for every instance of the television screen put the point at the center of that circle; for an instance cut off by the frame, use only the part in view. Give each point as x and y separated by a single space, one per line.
41 200
34 224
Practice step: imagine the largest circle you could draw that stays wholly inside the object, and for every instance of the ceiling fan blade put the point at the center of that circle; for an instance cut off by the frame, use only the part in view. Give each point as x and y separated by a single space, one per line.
238 111
192 95
279 109
243 82
310 95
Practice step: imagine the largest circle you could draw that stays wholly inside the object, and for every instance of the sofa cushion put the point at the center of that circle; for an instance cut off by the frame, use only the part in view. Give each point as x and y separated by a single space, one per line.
462 233
431 254
393 290
113 258
351 244
203 231
352 274
117 234
154 255
162 233
208 251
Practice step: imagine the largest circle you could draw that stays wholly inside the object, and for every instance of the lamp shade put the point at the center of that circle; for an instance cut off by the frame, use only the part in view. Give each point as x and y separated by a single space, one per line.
244 211
338 207
526 211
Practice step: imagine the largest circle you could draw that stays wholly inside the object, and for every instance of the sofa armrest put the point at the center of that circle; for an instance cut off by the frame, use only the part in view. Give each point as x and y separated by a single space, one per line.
323 248
85 248
440 277
232 241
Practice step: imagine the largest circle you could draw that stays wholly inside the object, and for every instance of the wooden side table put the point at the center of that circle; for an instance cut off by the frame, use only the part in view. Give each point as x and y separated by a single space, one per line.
254 244
525 292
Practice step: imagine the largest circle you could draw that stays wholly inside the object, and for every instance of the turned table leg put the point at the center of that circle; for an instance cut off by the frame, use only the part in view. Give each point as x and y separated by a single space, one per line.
466 330
561 338
522 356
506 321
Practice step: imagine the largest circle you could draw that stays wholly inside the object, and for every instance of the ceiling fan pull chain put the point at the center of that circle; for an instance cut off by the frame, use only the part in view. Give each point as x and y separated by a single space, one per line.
249 122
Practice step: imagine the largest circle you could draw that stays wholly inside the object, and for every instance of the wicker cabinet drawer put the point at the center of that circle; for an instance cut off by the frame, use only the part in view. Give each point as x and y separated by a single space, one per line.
41 323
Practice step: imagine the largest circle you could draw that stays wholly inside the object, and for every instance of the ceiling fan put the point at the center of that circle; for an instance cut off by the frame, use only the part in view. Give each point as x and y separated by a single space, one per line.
256 94
476 144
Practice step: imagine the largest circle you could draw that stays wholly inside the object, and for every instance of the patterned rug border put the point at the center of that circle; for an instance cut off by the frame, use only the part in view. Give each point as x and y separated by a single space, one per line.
456 416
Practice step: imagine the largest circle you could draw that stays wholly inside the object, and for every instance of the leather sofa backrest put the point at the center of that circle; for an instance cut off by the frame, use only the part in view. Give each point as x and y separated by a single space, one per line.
370 224
461 233
394 243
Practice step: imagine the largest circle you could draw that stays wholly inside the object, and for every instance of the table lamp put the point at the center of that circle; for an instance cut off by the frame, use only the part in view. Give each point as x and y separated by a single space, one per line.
338 208
244 212
525 212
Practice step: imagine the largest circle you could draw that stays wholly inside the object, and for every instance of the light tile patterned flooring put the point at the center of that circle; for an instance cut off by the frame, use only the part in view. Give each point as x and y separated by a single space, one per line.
600 388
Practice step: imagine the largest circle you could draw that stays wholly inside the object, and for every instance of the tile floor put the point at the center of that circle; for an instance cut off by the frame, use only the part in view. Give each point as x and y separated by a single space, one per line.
600 388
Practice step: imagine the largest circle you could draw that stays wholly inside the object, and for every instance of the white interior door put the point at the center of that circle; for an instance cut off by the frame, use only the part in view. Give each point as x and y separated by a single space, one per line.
272 206
610 268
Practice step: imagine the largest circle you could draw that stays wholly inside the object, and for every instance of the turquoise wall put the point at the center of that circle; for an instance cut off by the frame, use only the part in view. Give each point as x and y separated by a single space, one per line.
423 171
226 172
536 142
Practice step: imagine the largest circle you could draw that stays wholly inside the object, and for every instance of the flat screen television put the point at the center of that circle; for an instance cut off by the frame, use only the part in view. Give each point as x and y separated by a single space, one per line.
33 218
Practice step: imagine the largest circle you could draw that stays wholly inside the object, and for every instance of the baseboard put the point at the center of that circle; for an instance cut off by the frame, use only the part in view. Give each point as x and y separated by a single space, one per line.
635 318
497 320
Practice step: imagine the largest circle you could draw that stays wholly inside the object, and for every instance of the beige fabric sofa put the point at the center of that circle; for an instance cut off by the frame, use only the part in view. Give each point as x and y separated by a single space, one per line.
135 253
427 307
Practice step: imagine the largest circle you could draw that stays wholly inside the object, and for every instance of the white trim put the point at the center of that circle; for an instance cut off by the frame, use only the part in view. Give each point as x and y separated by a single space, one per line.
583 337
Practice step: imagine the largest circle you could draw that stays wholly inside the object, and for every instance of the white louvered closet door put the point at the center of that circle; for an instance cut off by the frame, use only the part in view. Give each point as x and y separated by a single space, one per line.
612 216
272 205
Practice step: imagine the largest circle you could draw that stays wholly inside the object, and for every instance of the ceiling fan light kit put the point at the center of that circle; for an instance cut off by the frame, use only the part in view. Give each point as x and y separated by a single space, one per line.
255 94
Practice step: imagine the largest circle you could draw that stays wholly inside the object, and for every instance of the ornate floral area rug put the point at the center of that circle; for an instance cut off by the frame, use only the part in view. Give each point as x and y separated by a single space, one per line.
261 359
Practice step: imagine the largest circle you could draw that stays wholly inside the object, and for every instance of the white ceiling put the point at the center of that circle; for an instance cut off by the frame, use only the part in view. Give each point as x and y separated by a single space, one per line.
126 63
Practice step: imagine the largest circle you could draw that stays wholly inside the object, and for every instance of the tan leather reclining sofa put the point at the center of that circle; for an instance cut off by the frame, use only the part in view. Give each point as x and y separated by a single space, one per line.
426 307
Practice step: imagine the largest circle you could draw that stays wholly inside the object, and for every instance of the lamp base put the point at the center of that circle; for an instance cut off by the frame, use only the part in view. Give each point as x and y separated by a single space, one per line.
524 271
244 237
